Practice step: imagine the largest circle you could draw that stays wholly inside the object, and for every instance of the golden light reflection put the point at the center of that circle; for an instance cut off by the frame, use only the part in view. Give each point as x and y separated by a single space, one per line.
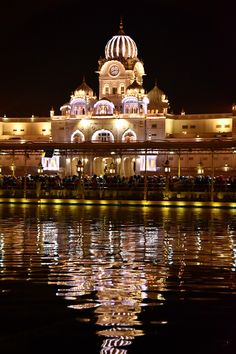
115 262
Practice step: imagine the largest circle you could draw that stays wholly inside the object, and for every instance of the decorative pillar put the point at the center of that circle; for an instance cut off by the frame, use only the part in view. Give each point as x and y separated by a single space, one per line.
179 165
145 192
25 174
212 176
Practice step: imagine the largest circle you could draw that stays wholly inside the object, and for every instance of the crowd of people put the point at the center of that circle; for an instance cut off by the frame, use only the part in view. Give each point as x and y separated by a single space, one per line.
154 182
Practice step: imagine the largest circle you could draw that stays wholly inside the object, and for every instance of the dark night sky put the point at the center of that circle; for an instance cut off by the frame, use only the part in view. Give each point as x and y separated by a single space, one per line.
47 47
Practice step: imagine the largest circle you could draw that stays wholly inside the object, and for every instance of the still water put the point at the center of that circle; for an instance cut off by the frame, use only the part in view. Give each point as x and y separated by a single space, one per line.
117 280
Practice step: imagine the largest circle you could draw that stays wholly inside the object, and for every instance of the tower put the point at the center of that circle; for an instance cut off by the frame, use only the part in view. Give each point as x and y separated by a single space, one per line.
119 68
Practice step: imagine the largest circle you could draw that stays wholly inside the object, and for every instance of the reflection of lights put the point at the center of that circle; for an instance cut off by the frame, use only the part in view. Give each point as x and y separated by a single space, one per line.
109 317
49 235
232 244
121 332
105 271
109 344
120 293
115 351
83 306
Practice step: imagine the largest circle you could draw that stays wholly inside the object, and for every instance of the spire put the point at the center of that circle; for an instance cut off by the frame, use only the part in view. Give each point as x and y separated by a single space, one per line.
121 30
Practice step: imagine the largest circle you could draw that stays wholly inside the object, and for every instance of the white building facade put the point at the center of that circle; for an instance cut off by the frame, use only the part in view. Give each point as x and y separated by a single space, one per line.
123 112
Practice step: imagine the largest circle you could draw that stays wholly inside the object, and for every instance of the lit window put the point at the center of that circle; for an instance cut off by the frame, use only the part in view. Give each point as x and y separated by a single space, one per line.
104 136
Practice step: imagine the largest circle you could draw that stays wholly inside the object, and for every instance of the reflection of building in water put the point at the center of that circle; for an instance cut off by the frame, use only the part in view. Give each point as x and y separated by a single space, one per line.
114 345
114 266
119 291
107 274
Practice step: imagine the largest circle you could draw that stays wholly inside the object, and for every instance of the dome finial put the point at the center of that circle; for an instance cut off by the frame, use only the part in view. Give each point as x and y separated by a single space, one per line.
121 31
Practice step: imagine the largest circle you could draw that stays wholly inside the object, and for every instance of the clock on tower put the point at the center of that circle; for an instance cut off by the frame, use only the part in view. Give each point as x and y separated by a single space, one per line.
114 70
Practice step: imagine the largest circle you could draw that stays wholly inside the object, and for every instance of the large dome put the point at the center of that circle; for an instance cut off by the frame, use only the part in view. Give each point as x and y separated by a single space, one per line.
121 46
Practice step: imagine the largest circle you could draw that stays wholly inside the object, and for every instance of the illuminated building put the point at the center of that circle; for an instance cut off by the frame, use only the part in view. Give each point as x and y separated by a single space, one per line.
123 112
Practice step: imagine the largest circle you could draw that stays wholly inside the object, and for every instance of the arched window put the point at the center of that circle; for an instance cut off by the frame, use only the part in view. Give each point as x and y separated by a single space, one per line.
104 106
77 137
103 136
129 136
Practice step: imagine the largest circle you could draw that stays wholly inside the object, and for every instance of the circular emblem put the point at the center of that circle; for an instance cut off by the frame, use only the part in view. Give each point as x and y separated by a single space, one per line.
114 70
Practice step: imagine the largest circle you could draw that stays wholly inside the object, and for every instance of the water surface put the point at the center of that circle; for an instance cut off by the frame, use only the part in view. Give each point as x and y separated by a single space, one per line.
117 280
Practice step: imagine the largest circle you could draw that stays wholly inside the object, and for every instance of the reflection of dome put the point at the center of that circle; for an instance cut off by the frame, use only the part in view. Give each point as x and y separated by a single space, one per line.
121 46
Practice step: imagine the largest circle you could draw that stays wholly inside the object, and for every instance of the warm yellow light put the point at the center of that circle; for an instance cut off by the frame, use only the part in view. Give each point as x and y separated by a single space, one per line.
200 169
226 167
80 166
167 168
119 123
84 123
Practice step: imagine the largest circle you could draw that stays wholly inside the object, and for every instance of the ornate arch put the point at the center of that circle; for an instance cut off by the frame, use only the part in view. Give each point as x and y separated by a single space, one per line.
130 105
103 135
77 137
104 107
78 106
129 135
